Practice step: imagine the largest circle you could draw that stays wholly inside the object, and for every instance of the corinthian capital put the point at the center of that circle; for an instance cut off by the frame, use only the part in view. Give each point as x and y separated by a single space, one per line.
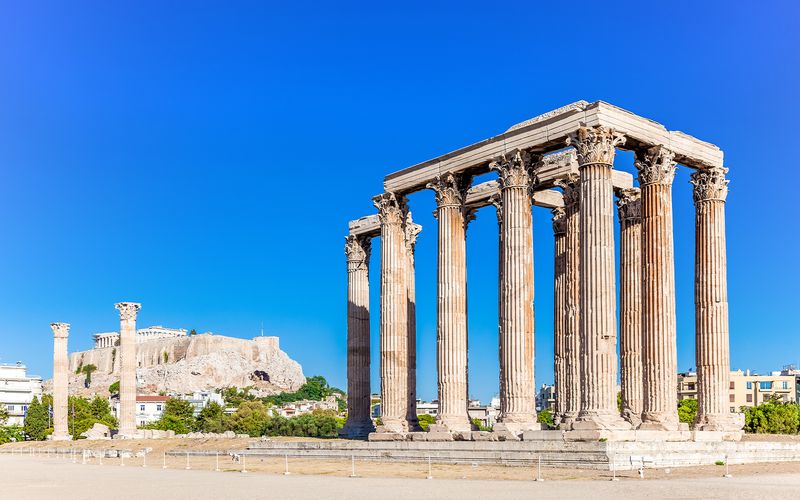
516 169
629 205
656 165
128 310
710 184
450 189
411 232
559 221
595 144
497 202
571 187
60 330
357 249
392 208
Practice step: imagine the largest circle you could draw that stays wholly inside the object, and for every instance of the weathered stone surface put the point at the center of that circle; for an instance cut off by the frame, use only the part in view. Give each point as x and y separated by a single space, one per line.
98 432
60 381
127 375
196 362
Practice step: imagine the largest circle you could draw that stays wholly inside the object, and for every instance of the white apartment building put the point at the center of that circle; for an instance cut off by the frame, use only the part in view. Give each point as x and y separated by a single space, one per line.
148 408
17 390
201 399
111 339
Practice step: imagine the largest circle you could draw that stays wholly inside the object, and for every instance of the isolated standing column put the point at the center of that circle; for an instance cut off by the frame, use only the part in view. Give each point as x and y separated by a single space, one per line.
630 291
60 382
359 421
392 211
711 303
595 148
660 351
517 388
127 377
451 317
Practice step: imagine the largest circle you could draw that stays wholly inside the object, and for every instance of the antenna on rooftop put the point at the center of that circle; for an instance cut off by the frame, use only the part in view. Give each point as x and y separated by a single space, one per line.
262 328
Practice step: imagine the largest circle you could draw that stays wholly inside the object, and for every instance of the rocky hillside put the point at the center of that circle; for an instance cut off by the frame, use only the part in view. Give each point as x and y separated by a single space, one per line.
192 363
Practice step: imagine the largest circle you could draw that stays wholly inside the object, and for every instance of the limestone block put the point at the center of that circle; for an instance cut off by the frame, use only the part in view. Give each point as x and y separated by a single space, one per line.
97 432
555 435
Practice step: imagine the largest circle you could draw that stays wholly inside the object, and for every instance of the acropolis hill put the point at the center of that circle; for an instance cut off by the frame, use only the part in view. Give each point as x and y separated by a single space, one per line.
189 363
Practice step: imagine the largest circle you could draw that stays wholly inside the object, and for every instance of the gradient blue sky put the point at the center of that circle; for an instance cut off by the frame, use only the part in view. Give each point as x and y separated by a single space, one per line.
205 159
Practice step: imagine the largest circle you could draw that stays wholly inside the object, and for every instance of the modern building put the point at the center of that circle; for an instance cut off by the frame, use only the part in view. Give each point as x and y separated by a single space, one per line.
111 339
201 399
148 408
302 407
546 397
17 390
746 388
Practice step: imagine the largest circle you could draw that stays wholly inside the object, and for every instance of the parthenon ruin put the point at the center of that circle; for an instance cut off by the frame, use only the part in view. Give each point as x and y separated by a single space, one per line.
563 161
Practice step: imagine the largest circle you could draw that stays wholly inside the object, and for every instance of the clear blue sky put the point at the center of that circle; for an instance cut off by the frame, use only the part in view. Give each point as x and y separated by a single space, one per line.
204 160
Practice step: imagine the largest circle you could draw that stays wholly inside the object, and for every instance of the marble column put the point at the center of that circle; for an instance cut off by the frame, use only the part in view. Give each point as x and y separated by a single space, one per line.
571 392
411 232
630 291
497 201
711 303
392 211
127 374
60 382
559 308
359 419
517 388
595 148
659 345
451 317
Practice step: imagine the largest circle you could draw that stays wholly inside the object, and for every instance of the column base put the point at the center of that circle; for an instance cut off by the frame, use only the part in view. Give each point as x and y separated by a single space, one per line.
506 430
394 425
661 421
633 418
413 425
566 421
452 424
722 422
358 429
59 437
592 421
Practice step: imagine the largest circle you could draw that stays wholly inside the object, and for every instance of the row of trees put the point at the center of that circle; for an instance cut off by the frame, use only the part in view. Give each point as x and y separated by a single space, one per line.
251 417
316 388
770 417
82 414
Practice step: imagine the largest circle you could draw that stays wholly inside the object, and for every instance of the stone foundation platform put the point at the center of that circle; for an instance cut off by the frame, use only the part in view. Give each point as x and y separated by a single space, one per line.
600 455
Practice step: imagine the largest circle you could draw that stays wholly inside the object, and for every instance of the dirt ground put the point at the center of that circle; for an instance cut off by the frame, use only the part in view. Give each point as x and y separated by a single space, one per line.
157 458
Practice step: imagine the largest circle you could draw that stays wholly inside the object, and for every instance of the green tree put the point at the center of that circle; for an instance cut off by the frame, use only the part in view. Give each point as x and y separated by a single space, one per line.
250 418
3 415
772 417
192 332
687 411
178 416
546 417
212 418
479 425
425 420
114 388
37 422
88 370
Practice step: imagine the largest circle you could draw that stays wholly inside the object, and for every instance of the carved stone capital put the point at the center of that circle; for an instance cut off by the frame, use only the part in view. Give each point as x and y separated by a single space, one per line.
559 221
710 184
571 187
60 330
450 189
516 169
595 144
497 202
392 209
412 231
128 310
629 205
357 249
656 165
470 214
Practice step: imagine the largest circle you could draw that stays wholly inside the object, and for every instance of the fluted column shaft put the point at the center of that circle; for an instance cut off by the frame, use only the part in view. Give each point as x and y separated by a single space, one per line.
711 303
127 376
411 232
596 149
559 310
660 364
60 382
451 317
359 421
394 313
517 388
630 290
570 393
